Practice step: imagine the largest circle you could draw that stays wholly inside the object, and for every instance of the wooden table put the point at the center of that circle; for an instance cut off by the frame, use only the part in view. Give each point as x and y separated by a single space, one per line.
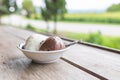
80 63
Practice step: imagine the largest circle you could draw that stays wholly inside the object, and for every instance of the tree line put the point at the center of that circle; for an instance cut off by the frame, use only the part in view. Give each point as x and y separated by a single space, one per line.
114 8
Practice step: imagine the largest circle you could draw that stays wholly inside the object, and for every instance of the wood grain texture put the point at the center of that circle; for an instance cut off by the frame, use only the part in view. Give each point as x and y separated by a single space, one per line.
15 66
102 62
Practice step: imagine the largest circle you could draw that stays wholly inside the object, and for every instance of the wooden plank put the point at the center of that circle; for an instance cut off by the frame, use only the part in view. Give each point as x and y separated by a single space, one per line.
102 62
99 61
15 66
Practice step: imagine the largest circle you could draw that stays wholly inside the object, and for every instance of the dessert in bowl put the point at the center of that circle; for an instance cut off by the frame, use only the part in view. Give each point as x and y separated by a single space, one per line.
43 50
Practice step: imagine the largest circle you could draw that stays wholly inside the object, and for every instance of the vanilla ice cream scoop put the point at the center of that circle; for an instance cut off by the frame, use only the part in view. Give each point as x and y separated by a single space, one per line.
33 42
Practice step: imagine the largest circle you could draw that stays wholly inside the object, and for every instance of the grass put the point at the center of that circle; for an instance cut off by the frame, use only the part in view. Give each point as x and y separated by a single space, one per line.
108 17
36 16
97 38
103 18
30 27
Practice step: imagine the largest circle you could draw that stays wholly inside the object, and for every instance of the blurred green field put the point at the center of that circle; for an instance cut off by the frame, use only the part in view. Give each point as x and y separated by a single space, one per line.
108 17
96 38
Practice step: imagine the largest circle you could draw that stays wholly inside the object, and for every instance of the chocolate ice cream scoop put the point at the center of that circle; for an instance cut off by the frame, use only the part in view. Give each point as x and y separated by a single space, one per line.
52 43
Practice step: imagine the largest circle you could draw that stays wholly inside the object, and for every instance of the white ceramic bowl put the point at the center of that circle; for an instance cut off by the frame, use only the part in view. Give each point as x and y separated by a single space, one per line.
42 56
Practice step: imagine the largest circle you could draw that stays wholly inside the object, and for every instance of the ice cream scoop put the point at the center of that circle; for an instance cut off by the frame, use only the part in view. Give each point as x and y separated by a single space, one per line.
33 42
52 43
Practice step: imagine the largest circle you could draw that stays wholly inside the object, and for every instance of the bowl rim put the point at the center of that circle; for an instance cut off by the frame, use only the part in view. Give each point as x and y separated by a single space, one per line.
20 45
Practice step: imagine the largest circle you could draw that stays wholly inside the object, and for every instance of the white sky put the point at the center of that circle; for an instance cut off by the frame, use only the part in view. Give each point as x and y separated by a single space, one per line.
90 4
82 4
